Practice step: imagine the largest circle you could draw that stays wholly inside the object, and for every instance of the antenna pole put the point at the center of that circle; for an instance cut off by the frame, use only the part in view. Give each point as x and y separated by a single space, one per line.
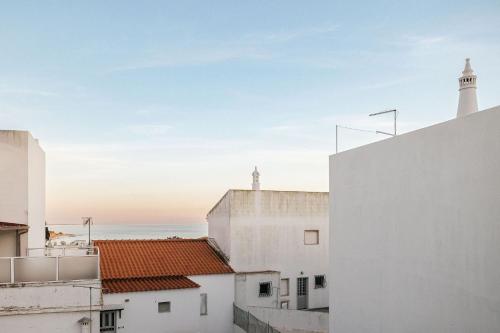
383 112
336 139
87 220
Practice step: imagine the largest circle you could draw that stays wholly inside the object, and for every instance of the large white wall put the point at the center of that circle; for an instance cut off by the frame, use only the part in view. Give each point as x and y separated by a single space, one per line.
62 322
22 183
47 307
14 177
140 313
220 297
36 194
266 232
415 236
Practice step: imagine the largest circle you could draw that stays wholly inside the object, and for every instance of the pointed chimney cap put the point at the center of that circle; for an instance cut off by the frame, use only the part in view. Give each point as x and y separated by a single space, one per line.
468 69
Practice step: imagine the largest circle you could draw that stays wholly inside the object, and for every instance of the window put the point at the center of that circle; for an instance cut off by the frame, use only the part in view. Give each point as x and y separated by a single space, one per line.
284 287
107 321
284 304
163 307
203 305
311 237
265 289
319 281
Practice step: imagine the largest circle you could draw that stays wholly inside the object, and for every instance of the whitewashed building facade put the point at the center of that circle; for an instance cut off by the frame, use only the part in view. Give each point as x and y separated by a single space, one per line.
177 285
415 227
277 231
41 290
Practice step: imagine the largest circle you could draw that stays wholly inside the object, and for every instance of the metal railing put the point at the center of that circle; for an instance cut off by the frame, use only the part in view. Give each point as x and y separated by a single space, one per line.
249 323
62 251
50 267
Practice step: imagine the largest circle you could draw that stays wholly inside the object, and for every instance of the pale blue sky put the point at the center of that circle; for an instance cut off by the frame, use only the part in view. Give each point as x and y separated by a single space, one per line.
148 111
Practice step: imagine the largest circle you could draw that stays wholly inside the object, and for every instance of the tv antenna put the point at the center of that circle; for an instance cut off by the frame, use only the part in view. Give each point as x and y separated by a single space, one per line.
384 112
88 221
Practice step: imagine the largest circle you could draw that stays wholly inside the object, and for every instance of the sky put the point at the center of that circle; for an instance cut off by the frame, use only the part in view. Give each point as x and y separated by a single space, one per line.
149 111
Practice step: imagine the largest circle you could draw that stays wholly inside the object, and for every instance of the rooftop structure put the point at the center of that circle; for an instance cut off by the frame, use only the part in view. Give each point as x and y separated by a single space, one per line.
183 284
467 102
141 265
283 231
22 186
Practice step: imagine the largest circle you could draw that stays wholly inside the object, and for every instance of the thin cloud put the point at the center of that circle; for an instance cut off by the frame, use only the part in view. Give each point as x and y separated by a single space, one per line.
195 57
289 35
29 92
150 129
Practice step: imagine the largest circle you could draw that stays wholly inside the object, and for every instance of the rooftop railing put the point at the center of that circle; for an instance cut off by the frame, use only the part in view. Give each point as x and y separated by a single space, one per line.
51 266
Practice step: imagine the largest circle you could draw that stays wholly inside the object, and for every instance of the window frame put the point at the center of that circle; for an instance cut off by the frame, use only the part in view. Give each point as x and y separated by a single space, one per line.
165 311
287 302
270 293
204 301
317 236
107 321
320 286
287 287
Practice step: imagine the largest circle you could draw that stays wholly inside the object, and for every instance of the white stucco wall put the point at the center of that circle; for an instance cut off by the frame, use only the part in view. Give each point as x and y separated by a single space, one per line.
267 233
416 231
14 177
36 194
219 227
66 322
140 313
247 290
284 320
8 243
220 297
47 307
22 183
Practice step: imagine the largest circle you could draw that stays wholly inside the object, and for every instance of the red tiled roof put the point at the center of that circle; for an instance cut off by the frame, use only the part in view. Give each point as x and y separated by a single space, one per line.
111 286
122 259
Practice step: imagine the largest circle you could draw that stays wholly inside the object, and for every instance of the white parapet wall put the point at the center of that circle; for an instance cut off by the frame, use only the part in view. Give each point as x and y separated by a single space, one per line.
48 307
415 231
292 321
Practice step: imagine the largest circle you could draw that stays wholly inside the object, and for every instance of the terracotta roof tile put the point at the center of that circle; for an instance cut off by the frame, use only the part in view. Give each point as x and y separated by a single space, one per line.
155 258
111 286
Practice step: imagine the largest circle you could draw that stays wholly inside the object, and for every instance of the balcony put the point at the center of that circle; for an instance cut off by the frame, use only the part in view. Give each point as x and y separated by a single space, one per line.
51 265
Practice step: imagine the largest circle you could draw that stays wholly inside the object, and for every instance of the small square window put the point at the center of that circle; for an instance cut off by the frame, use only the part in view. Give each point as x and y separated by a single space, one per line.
311 237
203 305
319 281
284 287
163 307
284 304
265 289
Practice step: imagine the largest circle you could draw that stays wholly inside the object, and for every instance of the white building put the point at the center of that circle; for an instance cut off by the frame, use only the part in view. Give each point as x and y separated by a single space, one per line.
41 290
178 285
22 186
415 228
281 231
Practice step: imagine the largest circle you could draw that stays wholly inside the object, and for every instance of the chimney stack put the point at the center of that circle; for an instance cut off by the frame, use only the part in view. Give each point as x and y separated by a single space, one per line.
256 183
467 101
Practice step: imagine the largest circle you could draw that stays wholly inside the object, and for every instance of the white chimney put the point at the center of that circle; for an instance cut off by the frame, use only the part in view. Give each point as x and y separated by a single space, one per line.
256 183
467 101
85 323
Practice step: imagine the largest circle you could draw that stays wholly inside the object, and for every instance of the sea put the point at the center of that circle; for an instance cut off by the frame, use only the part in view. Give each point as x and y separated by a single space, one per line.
127 231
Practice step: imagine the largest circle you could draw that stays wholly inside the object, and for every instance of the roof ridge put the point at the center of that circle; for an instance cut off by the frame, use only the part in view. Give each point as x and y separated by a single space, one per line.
147 277
201 239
